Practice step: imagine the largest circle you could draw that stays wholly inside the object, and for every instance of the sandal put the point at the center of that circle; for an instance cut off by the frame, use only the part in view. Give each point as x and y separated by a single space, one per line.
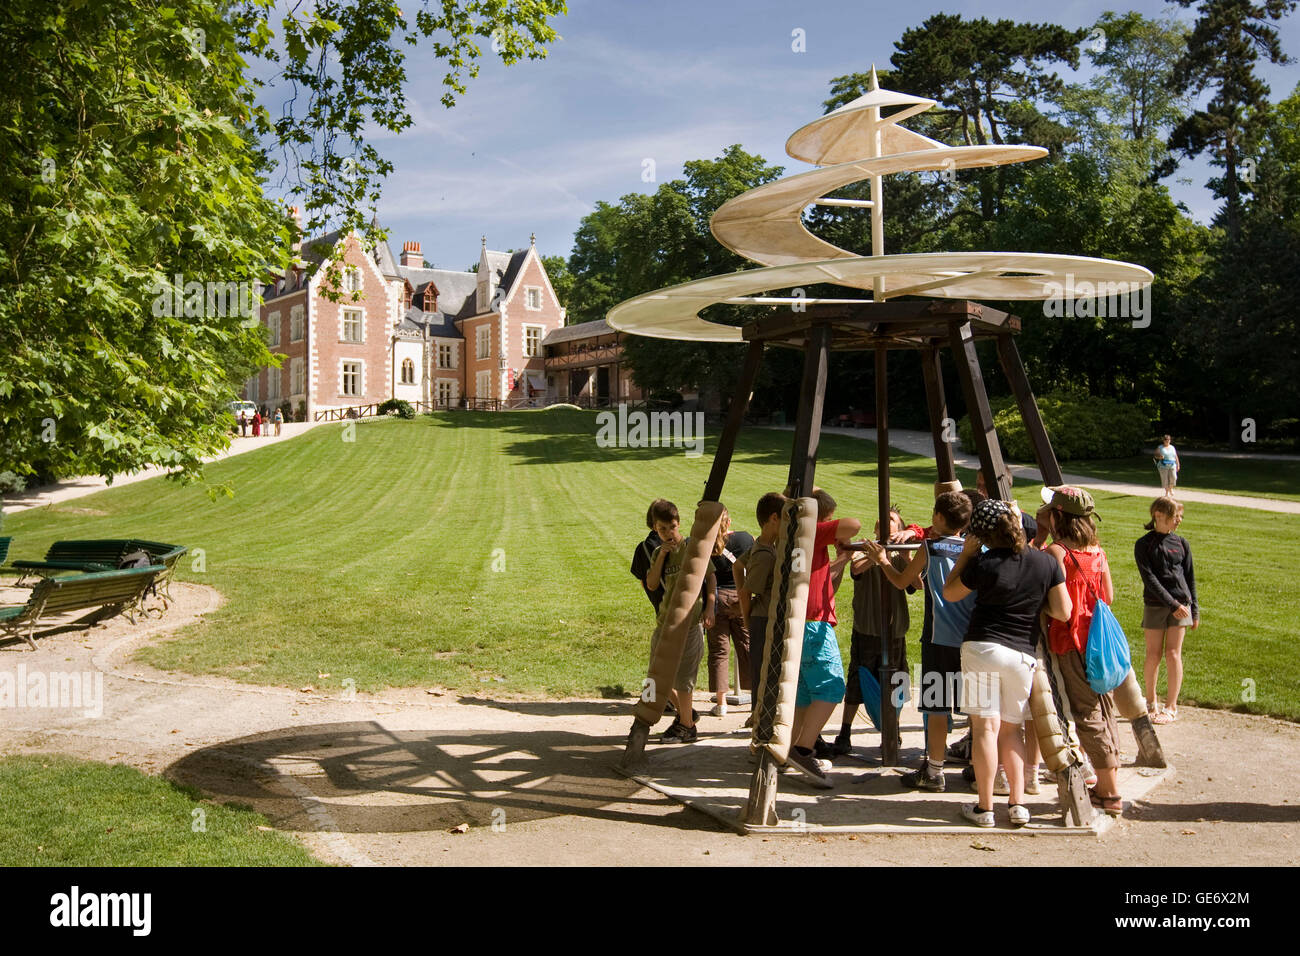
1164 717
1112 805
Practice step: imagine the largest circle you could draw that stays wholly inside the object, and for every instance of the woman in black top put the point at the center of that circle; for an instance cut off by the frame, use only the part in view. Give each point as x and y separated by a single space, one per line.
1169 602
1011 583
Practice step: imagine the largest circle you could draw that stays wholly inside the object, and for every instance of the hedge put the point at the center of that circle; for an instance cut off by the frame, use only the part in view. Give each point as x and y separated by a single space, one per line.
1079 426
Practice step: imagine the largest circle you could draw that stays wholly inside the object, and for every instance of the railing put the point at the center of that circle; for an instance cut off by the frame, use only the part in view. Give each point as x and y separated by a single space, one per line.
354 412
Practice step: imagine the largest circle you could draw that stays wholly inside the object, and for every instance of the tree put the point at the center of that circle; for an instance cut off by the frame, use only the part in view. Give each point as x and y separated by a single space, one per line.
648 242
557 270
133 222
1225 44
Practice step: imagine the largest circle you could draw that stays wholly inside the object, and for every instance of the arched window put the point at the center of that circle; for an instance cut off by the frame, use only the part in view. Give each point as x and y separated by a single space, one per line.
408 372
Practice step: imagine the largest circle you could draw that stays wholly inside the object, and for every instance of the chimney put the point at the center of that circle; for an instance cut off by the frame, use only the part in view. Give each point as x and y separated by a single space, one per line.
296 214
411 256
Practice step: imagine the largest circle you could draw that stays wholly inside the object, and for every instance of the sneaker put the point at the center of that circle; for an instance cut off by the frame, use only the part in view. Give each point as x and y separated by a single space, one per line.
719 710
922 779
1000 786
981 818
960 751
1019 814
679 733
822 750
810 767
1031 781
968 773
843 744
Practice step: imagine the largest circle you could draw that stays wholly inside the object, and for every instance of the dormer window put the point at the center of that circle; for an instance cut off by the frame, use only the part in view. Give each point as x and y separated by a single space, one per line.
351 279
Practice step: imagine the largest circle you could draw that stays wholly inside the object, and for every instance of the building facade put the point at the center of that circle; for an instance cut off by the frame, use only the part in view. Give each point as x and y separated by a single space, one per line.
399 330
584 366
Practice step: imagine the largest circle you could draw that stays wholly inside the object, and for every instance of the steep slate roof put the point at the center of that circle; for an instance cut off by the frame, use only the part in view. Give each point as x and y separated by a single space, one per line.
582 330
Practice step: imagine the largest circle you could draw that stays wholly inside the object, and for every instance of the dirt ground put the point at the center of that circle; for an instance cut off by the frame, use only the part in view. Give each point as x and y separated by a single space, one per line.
388 779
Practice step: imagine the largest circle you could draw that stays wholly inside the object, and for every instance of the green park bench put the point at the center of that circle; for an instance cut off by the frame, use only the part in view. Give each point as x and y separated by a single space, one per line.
104 554
4 549
106 593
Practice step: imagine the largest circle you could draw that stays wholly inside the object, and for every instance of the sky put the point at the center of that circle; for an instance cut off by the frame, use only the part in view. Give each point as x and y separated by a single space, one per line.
531 148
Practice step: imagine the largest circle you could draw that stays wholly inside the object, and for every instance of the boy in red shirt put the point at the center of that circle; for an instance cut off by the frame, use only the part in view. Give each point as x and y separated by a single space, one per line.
821 671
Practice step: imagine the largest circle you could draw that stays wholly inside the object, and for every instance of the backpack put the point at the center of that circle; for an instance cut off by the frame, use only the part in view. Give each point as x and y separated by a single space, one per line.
138 559
1106 660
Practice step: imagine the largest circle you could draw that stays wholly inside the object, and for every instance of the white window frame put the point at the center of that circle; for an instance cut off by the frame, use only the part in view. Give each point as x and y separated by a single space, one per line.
361 378
273 326
273 383
255 388
450 353
446 391
297 376
529 292
408 363
541 331
296 324
483 342
343 326
479 379
352 281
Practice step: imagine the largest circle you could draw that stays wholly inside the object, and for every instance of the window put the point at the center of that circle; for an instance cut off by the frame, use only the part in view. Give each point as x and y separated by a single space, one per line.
484 341
351 379
351 279
483 385
446 356
295 324
273 323
532 298
297 380
532 340
254 388
352 326
408 372
444 392
273 384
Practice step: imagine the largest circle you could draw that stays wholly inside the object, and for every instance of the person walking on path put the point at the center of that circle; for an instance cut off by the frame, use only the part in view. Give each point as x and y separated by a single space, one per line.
1164 560
279 420
1168 464
243 424
257 424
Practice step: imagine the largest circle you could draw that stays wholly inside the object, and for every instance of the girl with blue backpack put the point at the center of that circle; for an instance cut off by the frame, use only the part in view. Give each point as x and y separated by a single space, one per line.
1072 514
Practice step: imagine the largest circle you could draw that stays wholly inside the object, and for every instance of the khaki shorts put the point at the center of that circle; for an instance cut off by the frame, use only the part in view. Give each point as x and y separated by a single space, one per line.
1161 618
688 670
996 681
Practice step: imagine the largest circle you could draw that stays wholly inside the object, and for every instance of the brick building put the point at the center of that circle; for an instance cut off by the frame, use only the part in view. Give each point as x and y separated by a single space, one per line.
433 336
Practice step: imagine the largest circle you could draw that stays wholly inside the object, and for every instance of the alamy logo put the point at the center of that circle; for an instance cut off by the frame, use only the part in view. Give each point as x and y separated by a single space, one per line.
638 429
1102 300
75 908
53 690
204 300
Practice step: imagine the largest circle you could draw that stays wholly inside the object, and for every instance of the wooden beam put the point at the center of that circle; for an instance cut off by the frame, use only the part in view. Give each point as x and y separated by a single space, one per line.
937 403
888 716
996 478
808 423
1014 369
735 416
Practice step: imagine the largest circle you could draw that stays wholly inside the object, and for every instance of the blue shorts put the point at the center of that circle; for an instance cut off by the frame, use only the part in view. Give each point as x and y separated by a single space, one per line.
821 672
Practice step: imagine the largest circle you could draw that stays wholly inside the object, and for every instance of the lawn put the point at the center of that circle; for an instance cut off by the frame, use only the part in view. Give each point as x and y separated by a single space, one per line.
122 817
1227 476
489 553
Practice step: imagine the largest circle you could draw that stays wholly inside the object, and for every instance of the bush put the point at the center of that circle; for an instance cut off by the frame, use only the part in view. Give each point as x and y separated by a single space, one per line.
1079 426
400 406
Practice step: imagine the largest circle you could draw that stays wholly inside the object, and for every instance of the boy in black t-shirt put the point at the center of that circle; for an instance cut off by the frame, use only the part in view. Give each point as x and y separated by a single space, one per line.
662 510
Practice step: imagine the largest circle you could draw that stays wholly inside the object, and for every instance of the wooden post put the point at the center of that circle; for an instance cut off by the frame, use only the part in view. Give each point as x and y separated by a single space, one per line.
888 716
1014 369
761 808
735 416
937 403
808 424
977 406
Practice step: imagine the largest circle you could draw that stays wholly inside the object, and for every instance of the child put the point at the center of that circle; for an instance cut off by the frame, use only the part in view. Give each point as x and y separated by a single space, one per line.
729 620
1169 601
942 630
279 420
866 648
660 510
821 671
664 568
755 591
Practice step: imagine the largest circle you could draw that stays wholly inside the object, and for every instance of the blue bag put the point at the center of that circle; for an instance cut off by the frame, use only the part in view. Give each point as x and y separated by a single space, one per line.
1107 662
871 695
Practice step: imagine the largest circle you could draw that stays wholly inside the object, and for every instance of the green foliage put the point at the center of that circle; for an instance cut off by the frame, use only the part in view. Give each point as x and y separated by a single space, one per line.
1078 425
396 406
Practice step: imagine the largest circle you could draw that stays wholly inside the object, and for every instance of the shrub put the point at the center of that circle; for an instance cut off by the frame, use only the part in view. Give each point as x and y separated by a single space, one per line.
1079 426
399 406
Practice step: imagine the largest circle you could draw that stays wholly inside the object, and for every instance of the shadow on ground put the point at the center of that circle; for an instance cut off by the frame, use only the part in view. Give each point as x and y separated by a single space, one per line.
364 778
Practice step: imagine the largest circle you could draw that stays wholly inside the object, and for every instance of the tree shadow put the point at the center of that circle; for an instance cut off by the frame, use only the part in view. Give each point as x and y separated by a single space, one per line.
1229 811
